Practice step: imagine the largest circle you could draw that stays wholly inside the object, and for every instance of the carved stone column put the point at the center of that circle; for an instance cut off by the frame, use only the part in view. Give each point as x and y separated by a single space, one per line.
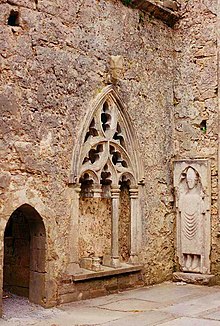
74 228
115 193
134 213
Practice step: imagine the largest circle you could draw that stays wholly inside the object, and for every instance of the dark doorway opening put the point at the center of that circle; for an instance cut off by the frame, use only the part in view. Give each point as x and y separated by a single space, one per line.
24 255
17 255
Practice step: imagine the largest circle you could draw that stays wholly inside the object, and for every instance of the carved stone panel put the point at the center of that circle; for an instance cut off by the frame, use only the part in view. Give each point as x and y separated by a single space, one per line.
192 182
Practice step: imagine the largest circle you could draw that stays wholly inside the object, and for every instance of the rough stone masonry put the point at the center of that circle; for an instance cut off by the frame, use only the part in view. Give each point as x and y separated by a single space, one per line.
99 101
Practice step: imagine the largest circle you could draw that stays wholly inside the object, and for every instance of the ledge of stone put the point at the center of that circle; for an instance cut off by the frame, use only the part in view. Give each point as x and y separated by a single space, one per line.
193 278
85 274
167 15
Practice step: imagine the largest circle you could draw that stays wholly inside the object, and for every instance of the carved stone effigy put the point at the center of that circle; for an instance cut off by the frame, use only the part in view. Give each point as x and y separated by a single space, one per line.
192 188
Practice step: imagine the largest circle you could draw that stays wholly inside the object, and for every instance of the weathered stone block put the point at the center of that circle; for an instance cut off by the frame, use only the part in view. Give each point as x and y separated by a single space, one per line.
70 297
37 286
51 296
5 179
163 10
97 293
193 278
112 284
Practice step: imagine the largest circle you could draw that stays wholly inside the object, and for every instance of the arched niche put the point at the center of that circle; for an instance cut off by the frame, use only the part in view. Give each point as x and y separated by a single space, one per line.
105 160
24 263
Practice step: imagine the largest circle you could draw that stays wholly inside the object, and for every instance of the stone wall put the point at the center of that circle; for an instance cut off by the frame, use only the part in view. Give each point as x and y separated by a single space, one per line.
54 62
95 227
196 97
73 291
124 223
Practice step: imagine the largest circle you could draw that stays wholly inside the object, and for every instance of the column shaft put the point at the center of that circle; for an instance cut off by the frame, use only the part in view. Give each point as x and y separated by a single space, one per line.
115 221
134 212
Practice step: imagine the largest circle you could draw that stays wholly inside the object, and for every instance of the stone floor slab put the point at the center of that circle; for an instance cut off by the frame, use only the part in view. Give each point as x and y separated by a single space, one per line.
90 315
166 304
101 300
184 321
149 318
168 292
213 314
195 307
132 305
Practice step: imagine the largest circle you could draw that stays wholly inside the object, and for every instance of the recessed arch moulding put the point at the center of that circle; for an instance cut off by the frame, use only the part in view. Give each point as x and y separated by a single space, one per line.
105 157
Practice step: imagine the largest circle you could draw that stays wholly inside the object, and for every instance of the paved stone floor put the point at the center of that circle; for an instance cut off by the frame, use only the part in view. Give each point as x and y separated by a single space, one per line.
166 304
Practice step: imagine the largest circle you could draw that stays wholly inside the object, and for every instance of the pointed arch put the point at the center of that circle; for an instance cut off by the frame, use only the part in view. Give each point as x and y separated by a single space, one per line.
106 154
107 122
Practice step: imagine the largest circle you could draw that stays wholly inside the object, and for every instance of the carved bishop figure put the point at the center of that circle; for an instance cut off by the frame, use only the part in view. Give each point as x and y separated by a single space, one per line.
193 222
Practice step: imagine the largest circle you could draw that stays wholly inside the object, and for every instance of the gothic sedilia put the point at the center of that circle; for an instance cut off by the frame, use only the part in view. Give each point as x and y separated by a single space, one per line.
106 174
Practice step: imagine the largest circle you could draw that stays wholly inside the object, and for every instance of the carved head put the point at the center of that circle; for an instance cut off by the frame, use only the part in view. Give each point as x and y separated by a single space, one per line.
191 178
116 66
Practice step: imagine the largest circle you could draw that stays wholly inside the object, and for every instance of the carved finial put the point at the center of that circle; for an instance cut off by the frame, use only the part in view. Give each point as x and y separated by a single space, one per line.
116 67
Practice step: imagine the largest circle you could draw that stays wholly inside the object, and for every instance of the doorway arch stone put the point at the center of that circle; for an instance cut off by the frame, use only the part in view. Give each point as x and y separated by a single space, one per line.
24 263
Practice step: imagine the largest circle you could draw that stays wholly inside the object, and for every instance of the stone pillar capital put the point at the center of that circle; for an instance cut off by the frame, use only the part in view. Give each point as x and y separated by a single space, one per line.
133 192
115 192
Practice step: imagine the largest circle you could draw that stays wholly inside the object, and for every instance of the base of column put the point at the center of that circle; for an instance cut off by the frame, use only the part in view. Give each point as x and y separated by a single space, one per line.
133 260
111 261
92 263
115 262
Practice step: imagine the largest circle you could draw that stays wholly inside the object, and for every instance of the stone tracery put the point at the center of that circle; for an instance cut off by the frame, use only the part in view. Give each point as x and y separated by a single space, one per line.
104 145
105 158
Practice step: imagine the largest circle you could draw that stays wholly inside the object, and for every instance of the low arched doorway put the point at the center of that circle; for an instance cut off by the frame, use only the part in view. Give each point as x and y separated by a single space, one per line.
24 254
